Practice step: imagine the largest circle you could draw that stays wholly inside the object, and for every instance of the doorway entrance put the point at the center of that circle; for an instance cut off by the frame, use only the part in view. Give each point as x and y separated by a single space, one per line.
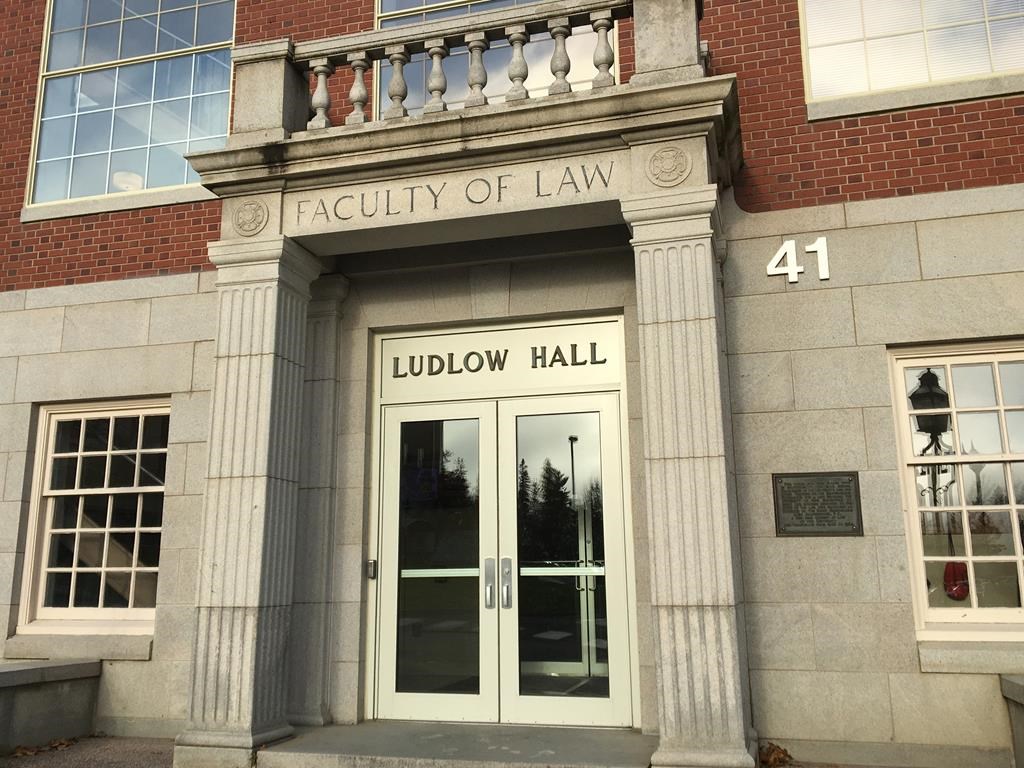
503 562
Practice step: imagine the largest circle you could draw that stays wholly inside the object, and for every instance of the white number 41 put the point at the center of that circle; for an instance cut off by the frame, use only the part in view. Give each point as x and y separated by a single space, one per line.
784 261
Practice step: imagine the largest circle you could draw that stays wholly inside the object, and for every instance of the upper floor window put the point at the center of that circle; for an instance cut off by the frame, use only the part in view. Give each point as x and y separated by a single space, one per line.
130 87
862 46
961 425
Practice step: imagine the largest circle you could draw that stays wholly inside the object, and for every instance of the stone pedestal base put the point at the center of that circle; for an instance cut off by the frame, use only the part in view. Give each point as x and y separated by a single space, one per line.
212 757
688 757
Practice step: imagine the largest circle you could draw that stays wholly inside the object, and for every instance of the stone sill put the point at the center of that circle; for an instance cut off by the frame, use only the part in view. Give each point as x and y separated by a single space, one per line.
123 201
933 93
993 657
65 647
18 673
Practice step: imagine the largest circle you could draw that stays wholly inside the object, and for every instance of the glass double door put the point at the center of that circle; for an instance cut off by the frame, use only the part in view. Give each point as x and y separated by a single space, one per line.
502 568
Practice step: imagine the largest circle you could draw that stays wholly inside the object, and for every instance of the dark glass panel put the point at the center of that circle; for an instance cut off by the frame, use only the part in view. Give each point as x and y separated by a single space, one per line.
68 434
65 512
94 472
94 511
117 590
152 510
62 550
122 471
62 476
97 432
87 590
145 590
153 469
121 550
439 515
58 590
126 433
438 636
125 511
149 550
154 432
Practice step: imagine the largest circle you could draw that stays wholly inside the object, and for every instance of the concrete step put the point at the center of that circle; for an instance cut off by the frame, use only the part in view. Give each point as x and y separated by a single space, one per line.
393 744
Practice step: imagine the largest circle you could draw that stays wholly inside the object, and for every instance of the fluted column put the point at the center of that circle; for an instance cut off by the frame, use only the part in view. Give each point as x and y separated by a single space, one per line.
309 641
703 710
239 684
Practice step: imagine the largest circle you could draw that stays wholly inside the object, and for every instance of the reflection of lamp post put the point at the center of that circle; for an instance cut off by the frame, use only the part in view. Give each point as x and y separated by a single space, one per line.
977 469
573 439
930 396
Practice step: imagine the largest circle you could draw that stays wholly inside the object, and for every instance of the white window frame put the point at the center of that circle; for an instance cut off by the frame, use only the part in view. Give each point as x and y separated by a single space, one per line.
112 201
951 624
34 618
966 88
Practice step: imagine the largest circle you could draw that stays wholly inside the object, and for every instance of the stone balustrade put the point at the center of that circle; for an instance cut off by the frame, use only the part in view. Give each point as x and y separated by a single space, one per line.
519 27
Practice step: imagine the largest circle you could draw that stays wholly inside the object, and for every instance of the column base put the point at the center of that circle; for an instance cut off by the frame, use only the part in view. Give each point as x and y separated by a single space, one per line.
689 757
213 757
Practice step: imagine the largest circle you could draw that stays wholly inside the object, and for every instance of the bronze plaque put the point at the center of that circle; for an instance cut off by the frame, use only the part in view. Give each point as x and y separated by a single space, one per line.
818 504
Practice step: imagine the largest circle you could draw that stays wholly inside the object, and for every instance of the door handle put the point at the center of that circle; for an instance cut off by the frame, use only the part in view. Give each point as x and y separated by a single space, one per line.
489 582
506 582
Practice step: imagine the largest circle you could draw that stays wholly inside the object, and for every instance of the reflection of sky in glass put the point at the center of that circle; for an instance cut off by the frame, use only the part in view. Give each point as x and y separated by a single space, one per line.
865 45
460 439
1011 376
973 386
547 437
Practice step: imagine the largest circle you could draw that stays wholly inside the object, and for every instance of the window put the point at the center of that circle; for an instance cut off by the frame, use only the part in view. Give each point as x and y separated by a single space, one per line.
961 424
860 46
99 513
128 88
538 51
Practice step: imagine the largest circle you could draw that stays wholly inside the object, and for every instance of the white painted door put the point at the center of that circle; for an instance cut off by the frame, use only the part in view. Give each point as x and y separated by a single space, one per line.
503 583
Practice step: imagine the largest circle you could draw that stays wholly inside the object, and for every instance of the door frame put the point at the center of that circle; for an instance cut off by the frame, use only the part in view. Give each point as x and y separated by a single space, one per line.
370 597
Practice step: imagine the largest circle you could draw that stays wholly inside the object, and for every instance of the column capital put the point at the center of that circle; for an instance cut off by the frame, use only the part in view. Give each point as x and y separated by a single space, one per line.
670 217
276 258
328 290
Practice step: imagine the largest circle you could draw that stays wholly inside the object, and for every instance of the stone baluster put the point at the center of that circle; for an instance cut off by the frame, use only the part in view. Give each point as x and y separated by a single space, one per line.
604 56
398 55
703 706
437 83
518 69
560 29
477 44
321 101
239 683
358 94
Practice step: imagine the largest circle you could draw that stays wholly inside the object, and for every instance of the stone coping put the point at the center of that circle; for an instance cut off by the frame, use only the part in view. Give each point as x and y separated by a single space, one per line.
14 674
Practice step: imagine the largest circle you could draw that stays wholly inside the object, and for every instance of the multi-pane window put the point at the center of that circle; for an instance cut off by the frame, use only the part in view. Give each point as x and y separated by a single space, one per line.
102 512
858 46
538 51
130 87
962 423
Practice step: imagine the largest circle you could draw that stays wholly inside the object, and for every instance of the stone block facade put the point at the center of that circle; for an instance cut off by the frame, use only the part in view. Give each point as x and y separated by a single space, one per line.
254 307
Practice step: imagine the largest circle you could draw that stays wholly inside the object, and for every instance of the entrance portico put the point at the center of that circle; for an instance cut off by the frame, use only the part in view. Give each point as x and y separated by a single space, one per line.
306 217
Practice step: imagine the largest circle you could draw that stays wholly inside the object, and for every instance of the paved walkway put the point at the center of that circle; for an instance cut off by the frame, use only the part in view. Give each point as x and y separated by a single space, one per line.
106 752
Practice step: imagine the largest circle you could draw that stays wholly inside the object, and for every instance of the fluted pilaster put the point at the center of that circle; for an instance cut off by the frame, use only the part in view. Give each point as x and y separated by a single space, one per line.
702 701
247 549
309 641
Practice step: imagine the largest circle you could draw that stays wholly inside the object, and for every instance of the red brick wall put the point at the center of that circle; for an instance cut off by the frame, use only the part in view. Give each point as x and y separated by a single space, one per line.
791 163
86 248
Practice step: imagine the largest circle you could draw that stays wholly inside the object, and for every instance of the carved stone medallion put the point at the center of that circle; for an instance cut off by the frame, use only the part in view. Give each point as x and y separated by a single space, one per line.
250 217
669 166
